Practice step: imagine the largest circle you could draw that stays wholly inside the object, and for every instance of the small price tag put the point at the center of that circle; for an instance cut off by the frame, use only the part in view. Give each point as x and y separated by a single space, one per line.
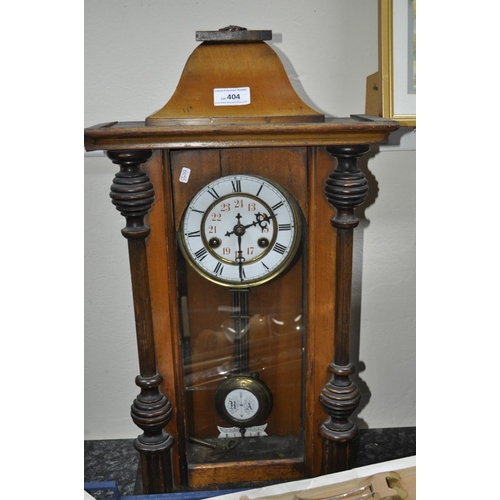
185 173
232 97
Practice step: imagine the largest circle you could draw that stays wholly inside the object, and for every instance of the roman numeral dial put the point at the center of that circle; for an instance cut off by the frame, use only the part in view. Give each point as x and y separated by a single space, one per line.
240 230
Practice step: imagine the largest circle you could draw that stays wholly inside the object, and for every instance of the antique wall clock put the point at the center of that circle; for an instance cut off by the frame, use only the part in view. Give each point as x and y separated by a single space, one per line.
241 285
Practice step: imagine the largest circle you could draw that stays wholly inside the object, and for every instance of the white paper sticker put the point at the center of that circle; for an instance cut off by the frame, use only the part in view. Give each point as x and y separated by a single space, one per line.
232 97
185 173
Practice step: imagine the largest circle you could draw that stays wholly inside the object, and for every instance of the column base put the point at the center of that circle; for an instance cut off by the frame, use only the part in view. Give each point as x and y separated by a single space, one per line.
339 455
156 465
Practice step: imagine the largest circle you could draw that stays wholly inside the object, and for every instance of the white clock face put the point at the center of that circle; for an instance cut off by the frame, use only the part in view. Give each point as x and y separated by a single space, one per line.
241 404
240 230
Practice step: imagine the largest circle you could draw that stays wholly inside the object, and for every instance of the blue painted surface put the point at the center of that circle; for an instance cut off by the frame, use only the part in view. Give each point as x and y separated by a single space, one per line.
189 495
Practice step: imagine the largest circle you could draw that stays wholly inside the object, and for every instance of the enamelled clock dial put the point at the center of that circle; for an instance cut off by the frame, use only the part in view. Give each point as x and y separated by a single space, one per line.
240 231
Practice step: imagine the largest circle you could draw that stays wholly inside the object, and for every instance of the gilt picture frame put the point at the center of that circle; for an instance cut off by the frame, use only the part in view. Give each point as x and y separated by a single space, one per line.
397 60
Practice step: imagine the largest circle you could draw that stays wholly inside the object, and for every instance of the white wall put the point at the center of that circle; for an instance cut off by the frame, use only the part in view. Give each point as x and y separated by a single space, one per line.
134 54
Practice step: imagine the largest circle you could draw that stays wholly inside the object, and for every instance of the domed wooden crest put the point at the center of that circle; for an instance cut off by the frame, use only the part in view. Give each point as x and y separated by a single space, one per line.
234 77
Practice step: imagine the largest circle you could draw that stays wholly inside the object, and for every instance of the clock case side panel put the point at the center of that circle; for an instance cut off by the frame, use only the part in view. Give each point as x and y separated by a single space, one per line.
163 285
288 167
321 273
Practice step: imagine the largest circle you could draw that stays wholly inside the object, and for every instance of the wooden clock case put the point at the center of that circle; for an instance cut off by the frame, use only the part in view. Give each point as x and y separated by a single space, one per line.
279 137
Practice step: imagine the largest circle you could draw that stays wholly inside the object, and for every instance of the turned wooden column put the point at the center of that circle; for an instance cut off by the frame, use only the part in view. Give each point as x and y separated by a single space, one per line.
346 188
133 195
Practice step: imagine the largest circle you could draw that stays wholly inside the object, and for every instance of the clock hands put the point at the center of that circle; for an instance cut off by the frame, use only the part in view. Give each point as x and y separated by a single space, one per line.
261 218
240 229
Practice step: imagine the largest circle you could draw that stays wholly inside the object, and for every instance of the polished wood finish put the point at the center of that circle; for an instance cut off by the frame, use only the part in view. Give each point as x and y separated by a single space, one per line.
357 129
331 448
317 165
133 195
233 65
252 472
346 188
278 137
321 275
291 166
162 277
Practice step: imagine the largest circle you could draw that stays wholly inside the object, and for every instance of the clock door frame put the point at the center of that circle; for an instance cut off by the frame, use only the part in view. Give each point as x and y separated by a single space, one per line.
167 320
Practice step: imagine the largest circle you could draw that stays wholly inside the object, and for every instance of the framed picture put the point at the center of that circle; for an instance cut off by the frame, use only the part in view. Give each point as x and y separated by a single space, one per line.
396 79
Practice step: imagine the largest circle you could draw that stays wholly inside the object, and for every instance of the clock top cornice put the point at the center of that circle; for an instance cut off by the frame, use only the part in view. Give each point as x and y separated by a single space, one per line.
275 117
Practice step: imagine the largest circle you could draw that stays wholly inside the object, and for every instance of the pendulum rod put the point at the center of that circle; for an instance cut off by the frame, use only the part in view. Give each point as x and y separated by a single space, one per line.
241 319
